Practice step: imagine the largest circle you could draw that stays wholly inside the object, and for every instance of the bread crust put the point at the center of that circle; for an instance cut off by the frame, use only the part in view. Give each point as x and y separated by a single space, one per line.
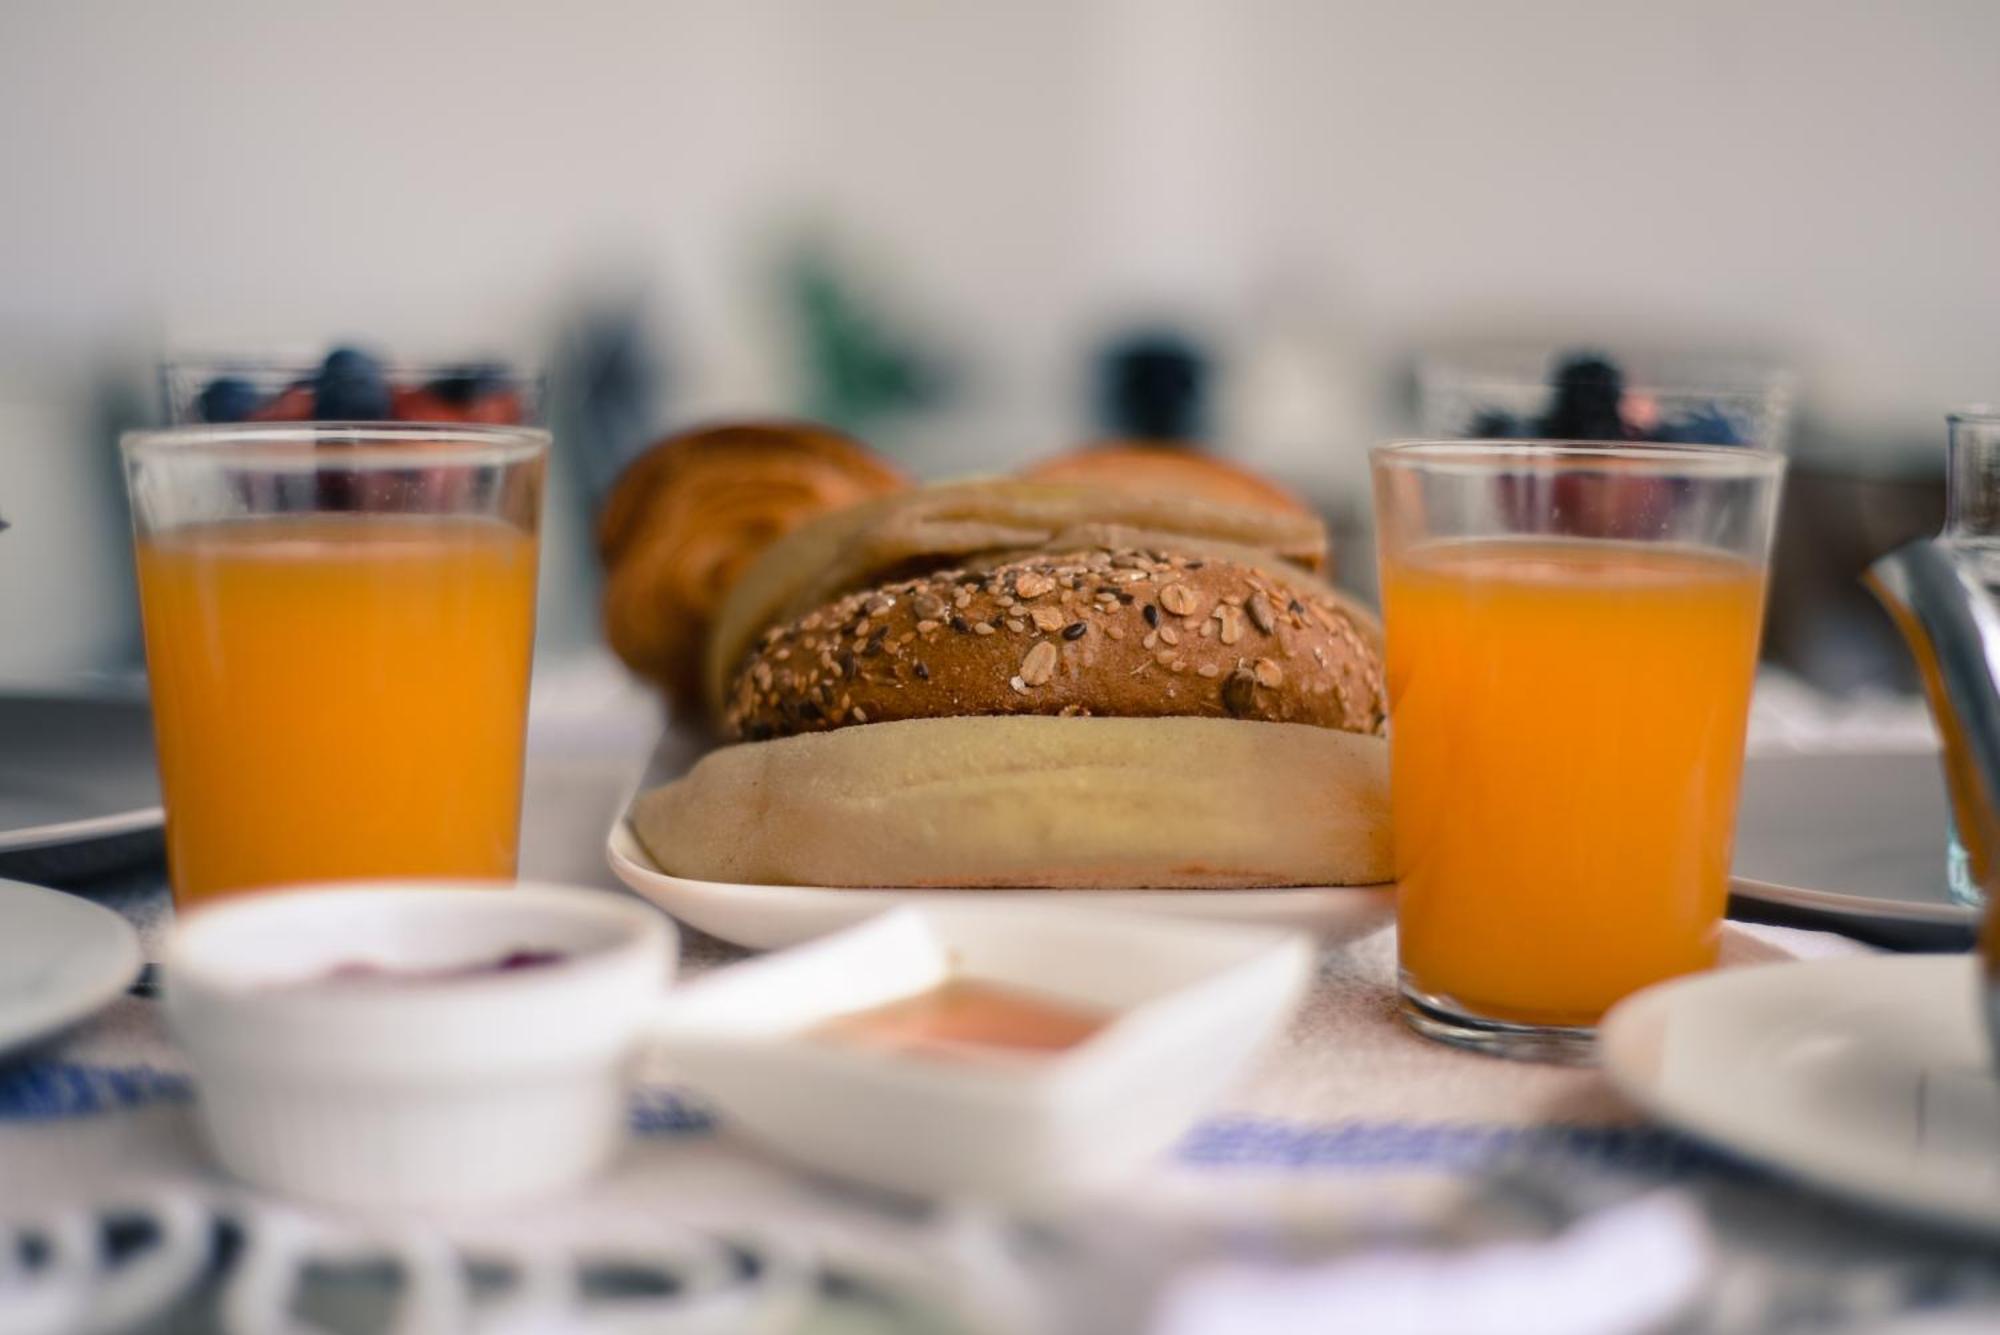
1129 634
1086 803
1166 470
976 523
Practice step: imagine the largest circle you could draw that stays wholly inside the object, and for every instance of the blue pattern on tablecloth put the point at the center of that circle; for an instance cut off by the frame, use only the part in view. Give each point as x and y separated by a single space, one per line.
44 1091
41 1091
52 1090
1452 1146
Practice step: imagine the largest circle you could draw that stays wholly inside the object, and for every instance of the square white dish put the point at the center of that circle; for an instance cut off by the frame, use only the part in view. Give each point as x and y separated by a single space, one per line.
1192 1004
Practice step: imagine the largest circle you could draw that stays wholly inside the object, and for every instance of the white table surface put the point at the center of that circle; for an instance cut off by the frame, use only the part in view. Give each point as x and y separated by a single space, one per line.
1316 1152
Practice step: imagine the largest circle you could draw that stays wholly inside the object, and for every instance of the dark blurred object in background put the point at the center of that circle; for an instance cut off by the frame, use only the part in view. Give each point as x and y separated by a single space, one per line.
1832 524
1152 385
863 367
607 388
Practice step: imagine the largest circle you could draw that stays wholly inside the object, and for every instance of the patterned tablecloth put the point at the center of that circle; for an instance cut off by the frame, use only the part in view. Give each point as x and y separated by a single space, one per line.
1359 1170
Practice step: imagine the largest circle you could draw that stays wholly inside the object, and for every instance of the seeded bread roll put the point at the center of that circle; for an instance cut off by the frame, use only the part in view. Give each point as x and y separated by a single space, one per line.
1060 802
1126 634
958 524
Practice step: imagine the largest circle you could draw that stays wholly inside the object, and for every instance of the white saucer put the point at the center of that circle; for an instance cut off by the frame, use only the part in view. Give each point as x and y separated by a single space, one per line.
60 959
1872 1078
766 917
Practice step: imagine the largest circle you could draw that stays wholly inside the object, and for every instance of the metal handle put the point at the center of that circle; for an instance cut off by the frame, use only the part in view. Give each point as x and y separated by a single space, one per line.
1953 629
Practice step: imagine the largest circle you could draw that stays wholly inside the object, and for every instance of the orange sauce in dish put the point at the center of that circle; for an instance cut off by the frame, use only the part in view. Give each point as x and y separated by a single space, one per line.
964 1019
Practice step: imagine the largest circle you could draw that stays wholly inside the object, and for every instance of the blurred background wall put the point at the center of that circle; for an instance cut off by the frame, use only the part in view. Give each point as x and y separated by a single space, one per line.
1819 179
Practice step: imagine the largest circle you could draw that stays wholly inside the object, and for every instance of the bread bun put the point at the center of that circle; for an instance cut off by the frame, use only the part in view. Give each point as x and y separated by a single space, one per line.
1167 471
685 519
1123 634
1028 801
981 523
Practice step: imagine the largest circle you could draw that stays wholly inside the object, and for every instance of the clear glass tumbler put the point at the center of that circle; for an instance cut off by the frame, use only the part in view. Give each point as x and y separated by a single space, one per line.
1572 637
339 623
1972 527
347 384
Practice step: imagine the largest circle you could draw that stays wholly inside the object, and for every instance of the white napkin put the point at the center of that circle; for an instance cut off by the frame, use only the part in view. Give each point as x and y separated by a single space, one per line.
1631 1268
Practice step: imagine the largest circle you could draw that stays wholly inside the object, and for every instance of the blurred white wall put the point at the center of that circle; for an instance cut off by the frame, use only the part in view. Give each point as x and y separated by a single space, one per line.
1821 177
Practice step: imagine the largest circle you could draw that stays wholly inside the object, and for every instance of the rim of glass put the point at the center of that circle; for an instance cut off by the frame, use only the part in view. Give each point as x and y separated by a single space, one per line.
1664 458
1975 414
281 444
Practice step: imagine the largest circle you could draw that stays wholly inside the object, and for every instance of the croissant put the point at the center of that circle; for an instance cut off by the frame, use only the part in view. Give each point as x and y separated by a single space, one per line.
686 517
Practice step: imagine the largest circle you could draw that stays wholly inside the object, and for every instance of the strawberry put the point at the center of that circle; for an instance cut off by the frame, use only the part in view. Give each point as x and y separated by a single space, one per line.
498 409
421 405
294 404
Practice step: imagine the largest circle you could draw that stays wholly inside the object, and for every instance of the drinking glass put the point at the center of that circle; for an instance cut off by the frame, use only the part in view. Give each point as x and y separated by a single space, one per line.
1687 396
270 389
1572 636
1972 528
339 622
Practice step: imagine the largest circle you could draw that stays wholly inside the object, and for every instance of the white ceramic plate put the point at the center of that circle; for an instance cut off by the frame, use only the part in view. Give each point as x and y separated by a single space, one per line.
765 917
78 790
60 959
1869 1077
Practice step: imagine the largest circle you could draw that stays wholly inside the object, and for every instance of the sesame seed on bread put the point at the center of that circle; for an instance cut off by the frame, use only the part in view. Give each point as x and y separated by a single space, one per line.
1126 633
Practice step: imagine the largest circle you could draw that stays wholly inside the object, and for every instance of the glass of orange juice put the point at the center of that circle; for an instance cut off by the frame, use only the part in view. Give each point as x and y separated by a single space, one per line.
1572 635
339 623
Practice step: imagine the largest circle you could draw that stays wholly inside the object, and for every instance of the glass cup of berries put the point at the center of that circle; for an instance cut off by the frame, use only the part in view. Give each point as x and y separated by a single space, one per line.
349 384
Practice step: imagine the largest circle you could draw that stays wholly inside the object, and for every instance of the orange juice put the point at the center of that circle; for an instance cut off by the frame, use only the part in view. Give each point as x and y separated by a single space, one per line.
338 696
1566 739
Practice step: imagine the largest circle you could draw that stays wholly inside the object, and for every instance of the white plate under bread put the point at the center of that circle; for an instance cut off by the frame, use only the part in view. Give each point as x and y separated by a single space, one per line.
765 917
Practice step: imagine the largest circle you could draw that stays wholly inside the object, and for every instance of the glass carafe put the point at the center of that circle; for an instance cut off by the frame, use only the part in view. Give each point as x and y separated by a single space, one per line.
1972 530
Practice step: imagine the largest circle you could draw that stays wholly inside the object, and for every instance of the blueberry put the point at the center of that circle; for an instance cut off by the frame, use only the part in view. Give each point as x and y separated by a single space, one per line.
463 386
351 388
227 398
1588 388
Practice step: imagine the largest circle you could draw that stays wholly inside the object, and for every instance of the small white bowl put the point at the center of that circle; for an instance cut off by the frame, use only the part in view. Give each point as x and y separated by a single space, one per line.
415 1092
1192 1003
